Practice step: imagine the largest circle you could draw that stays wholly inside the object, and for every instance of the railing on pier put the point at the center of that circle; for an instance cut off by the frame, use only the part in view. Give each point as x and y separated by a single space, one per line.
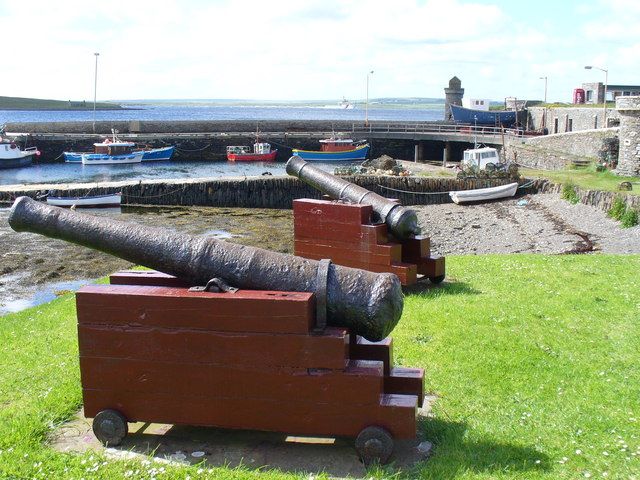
418 128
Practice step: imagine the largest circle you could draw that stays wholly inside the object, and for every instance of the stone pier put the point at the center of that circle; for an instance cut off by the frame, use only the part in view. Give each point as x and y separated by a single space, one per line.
629 156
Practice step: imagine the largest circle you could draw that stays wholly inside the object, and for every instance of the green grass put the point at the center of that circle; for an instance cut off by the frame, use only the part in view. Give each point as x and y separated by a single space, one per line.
585 178
19 103
533 359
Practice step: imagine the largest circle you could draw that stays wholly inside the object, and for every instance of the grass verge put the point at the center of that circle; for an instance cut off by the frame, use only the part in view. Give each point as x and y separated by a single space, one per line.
585 178
533 358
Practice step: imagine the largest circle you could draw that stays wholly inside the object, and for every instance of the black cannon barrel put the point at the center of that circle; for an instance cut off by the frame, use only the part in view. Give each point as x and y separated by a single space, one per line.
369 304
402 221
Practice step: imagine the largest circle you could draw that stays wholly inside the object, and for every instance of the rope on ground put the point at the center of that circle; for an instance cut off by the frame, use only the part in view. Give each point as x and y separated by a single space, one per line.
415 193
527 185
194 150
156 196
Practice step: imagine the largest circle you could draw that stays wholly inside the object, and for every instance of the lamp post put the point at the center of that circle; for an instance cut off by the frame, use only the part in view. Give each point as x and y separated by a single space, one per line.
95 91
544 113
604 97
545 88
366 103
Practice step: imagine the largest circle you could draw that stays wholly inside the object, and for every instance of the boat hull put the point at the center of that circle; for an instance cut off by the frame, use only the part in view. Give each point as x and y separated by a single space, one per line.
95 201
358 153
102 159
252 157
483 117
16 162
484 194
155 154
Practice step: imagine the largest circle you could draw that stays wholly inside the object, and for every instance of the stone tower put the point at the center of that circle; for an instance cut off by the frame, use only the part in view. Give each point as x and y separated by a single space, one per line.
452 95
629 156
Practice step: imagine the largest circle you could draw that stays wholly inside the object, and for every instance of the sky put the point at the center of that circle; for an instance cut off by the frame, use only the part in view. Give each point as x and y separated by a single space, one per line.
314 49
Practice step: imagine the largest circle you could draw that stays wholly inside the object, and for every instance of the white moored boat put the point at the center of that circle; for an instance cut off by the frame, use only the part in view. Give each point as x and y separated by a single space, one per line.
110 200
483 194
11 156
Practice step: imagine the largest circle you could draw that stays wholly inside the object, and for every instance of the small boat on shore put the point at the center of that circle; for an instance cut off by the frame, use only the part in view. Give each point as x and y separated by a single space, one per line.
484 194
88 201
261 153
11 156
335 149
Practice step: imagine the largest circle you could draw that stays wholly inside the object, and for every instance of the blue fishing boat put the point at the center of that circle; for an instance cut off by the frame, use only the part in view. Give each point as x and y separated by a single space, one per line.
153 154
495 118
335 149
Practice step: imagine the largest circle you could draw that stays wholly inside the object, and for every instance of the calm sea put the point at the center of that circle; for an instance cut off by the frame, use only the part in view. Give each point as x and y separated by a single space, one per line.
218 112
78 173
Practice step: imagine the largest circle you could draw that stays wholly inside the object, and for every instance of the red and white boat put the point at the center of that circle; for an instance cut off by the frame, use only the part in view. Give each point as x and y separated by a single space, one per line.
261 153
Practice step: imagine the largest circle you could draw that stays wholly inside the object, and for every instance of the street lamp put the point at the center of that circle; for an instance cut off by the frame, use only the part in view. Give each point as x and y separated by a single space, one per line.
544 112
604 97
545 88
366 103
95 90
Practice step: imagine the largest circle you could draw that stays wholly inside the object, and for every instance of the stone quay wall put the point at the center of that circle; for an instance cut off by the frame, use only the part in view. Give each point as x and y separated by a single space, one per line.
257 192
555 152
570 119
595 198
629 156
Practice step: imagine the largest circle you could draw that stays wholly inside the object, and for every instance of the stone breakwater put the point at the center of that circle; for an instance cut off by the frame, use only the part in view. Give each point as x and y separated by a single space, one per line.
278 192
254 192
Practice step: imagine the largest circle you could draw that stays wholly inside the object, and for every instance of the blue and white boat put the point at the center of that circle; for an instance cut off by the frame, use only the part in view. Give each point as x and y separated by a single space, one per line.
112 153
153 154
472 116
335 150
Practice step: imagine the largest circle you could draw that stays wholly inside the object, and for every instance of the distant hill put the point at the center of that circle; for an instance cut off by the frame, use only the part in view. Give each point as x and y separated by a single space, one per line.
19 103
389 102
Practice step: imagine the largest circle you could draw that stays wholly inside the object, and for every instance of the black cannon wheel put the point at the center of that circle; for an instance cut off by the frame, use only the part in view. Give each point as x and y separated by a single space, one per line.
110 427
374 444
436 280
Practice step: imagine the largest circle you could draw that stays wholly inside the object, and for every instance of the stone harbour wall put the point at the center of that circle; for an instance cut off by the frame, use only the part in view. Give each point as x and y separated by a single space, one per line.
570 119
595 198
258 192
555 152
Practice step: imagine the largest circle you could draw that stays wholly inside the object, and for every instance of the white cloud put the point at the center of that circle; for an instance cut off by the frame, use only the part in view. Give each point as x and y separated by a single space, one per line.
297 49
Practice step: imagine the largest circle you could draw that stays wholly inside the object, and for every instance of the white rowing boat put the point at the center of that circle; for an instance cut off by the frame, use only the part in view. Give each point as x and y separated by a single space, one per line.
483 194
110 200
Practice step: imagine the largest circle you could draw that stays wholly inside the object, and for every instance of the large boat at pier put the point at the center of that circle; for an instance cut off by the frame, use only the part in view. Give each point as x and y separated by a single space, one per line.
494 118
11 156
336 149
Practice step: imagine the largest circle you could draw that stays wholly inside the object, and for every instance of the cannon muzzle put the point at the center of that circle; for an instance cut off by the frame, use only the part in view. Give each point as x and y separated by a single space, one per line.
402 221
369 304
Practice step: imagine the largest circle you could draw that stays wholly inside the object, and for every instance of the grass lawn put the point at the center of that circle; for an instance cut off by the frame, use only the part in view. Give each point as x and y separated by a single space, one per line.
534 359
585 178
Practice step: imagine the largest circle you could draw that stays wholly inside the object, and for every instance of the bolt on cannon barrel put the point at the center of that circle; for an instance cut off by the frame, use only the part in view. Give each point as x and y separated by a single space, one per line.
369 304
402 221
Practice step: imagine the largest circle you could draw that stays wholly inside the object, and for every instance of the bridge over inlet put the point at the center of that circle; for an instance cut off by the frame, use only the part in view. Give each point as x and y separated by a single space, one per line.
437 132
